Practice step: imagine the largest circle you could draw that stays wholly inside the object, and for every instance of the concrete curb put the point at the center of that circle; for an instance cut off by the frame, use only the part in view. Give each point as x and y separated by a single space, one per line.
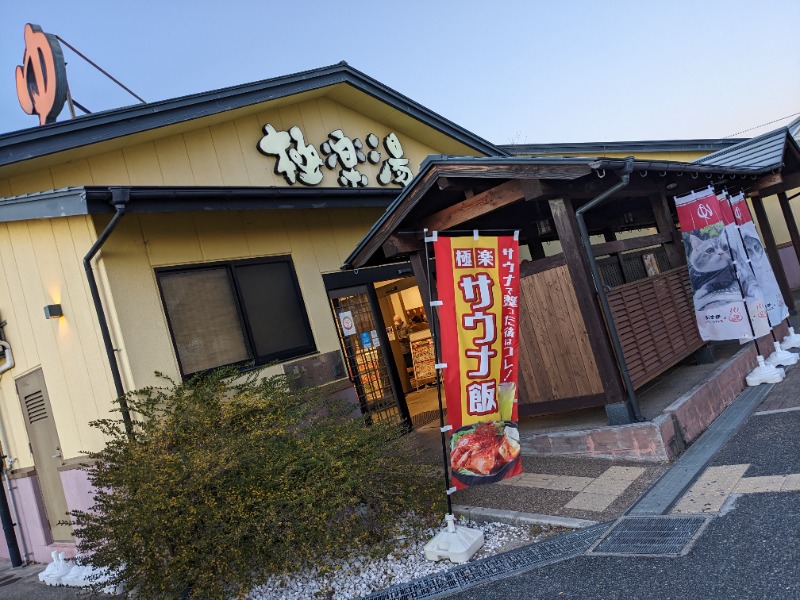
514 517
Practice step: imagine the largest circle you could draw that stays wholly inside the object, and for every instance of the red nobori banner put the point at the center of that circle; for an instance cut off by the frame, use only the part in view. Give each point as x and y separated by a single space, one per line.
478 284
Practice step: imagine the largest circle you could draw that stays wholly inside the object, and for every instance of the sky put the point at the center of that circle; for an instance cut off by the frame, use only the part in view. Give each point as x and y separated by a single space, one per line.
512 72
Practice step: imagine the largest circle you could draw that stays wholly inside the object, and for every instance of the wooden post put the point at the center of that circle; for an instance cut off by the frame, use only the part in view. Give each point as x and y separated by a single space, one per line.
578 266
791 224
665 224
609 235
530 234
771 249
425 288
536 247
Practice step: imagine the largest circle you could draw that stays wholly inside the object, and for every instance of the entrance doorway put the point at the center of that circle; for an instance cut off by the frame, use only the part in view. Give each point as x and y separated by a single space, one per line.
392 378
366 352
409 333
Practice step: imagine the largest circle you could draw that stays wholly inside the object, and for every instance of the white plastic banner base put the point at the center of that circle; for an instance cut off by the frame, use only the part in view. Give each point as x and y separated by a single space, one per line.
764 373
455 543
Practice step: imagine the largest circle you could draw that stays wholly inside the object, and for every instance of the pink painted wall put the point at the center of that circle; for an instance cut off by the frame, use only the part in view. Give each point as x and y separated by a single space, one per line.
32 525
77 489
36 543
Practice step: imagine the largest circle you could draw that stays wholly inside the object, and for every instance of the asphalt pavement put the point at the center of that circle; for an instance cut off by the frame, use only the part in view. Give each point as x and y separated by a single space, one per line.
749 548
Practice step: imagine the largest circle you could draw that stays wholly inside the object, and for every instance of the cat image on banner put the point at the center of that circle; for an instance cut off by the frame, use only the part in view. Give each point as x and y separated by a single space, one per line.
748 282
718 302
773 299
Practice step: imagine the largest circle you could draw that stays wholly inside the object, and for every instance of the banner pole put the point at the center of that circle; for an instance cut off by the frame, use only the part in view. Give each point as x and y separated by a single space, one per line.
435 336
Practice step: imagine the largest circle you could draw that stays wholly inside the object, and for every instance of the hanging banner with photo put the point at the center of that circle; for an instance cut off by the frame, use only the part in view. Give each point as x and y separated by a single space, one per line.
718 303
748 282
773 299
477 279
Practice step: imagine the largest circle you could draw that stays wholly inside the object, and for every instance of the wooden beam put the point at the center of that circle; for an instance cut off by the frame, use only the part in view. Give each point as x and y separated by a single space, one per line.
619 214
631 244
771 249
533 189
767 181
444 183
479 205
543 264
401 243
514 171
666 224
788 181
578 266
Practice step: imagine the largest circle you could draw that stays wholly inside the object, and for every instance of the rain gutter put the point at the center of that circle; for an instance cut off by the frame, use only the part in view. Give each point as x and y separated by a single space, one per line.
625 177
119 200
9 516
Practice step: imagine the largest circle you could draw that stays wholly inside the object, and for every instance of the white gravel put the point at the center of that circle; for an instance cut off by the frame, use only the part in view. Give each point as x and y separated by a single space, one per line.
361 575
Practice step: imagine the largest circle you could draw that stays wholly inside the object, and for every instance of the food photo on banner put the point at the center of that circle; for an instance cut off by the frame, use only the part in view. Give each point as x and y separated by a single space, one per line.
477 279
777 310
718 301
748 282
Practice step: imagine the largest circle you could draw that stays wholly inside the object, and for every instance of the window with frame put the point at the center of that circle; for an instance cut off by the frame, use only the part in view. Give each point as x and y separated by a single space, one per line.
235 312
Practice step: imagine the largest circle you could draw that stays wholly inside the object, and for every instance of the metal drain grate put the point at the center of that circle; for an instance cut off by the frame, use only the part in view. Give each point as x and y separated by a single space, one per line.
484 570
671 535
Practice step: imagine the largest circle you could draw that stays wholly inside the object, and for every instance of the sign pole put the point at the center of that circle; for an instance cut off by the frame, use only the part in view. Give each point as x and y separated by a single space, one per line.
436 353
457 544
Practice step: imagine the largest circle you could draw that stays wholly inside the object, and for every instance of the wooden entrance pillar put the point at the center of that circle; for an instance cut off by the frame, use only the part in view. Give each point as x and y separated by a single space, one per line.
578 266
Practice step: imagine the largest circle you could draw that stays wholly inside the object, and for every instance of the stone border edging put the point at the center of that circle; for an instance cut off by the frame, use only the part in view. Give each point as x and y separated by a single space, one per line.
514 517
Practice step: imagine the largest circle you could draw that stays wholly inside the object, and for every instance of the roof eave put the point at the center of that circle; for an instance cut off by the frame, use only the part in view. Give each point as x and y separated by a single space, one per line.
601 148
368 245
96 200
34 142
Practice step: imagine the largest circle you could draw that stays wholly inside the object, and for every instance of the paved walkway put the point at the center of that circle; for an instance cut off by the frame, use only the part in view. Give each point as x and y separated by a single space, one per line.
724 527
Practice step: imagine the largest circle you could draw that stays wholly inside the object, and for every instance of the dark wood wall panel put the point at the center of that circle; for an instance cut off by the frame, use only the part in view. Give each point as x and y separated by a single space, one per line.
655 322
556 361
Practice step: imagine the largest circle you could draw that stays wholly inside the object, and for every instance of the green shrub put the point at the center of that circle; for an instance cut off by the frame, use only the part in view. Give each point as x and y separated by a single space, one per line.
223 484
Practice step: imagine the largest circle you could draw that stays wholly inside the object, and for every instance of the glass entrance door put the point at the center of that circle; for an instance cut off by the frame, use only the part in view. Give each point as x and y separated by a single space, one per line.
366 351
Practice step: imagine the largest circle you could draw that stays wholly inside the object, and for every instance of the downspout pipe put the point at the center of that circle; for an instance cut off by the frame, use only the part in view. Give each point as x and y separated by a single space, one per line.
119 200
625 177
8 509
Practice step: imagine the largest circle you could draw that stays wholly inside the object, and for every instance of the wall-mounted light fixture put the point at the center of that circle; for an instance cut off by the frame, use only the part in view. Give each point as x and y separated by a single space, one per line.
53 311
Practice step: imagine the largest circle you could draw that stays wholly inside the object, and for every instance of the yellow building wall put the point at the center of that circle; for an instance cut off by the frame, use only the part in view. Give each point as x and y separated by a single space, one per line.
224 154
41 261
775 216
41 264
317 240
